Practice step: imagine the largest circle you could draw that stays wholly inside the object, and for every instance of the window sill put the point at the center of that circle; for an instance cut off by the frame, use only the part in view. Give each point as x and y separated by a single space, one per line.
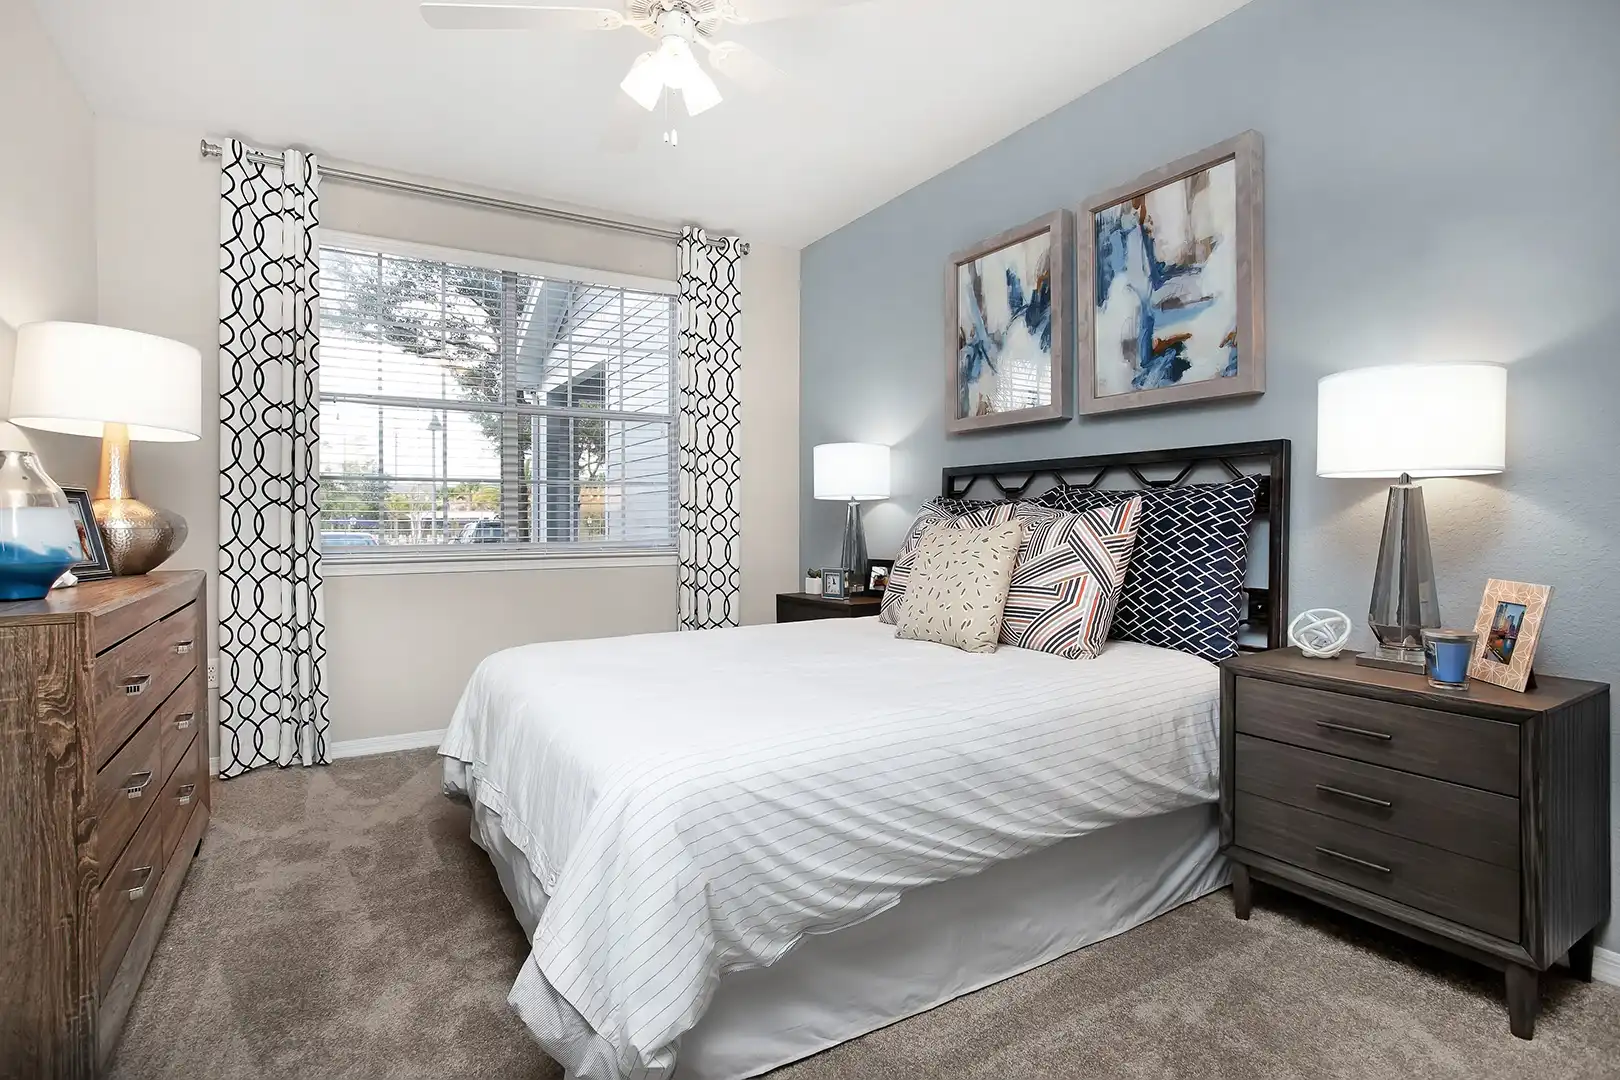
351 565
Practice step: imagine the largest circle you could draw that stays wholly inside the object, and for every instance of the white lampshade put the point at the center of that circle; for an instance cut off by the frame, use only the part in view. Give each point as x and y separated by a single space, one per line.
851 470
1420 419
75 377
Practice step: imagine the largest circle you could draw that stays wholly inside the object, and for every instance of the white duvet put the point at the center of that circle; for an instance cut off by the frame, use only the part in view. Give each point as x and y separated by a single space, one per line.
694 802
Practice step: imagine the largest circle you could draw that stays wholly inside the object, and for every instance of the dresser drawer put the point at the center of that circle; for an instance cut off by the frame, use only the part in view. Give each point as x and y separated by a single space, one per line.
133 676
1462 749
1479 824
182 794
125 893
126 790
178 721
1467 891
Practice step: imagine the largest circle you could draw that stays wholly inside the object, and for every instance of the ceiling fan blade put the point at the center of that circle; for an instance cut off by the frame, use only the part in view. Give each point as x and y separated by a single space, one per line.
744 66
758 11
442 16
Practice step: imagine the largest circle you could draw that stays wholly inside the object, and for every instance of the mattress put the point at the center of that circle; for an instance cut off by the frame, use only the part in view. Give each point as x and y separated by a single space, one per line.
693 804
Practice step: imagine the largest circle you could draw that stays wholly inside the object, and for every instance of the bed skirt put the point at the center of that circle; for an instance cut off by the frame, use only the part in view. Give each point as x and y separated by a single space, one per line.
940 942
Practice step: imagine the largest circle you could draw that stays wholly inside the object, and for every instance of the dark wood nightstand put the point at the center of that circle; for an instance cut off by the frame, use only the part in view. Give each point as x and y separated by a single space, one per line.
800 606
1477 820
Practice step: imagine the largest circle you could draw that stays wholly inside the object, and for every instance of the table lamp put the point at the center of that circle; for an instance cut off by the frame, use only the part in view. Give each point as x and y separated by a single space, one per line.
853 472
82 379
1409 421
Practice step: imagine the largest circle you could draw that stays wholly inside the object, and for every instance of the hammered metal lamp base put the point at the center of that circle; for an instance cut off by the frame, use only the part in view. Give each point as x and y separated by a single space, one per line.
138 537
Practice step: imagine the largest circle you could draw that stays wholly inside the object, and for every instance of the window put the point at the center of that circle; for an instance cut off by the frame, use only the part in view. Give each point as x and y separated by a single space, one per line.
474 405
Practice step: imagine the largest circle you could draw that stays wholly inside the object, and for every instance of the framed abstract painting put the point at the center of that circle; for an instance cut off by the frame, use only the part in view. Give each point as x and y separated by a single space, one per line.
1172 283
1008 313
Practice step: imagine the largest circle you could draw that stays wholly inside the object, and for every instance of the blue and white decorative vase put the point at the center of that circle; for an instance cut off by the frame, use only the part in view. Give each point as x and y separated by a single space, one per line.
39 534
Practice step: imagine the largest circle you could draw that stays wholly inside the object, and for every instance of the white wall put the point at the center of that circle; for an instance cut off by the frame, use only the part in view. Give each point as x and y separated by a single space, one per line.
400 647
47 220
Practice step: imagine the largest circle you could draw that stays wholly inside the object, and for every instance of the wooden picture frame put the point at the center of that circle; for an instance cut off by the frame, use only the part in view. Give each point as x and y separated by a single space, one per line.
1058 226
1249 285
95 567
1507 631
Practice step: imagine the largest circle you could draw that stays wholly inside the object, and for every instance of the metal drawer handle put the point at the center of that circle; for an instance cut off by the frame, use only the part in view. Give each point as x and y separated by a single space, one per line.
137 684
1382 736
146 878
135 786
182 647
1352 859
183 721
186 791
1343 794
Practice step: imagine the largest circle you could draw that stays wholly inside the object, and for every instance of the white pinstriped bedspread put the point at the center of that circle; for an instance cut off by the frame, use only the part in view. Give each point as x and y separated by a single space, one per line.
694 802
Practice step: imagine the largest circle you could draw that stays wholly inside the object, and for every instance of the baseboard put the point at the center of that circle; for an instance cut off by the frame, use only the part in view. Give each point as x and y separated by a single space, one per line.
382 744
1606 966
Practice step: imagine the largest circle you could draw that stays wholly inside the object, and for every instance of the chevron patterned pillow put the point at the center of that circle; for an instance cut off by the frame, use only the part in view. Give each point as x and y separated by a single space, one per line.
1067 581
941 512
1184 588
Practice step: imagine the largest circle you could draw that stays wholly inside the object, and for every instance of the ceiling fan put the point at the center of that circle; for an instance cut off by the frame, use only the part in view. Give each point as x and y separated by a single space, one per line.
677 26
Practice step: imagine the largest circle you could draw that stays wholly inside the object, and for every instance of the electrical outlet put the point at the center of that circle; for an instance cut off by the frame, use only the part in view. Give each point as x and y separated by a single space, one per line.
213 673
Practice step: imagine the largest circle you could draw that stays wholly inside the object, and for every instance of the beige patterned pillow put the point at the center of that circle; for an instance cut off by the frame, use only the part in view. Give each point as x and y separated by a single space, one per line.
959 586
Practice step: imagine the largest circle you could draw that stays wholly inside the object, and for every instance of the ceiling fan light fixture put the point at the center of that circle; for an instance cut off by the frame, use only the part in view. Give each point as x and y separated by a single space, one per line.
699 92
645 83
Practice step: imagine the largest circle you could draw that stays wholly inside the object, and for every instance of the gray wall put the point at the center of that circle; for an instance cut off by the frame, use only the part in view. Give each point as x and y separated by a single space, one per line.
1442 183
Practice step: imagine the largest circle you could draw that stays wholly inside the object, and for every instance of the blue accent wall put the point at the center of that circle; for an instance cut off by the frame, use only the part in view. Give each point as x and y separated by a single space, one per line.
1442 183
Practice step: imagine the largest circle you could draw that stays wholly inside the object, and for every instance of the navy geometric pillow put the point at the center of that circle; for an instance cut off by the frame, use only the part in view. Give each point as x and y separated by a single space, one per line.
1184 589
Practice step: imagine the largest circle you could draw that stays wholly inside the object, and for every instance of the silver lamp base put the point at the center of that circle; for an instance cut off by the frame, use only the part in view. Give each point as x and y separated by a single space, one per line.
1404 598
138 537
854 558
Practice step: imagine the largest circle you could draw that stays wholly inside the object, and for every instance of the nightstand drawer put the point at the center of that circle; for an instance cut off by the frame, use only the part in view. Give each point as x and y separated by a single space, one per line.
1461 749
1465 820
1467 891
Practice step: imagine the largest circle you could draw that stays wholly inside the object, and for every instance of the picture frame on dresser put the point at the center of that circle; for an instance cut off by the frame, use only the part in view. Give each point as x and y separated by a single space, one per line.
1473 821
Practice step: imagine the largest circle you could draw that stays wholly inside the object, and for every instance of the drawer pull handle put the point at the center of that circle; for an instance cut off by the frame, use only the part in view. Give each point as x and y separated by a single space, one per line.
146 878
181 648
186 792
183 721
135 786
1343 794
1330 853
137 685
1382 736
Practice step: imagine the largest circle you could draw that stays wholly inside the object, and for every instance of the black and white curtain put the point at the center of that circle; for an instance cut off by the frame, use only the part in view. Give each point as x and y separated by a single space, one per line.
710 431
272 700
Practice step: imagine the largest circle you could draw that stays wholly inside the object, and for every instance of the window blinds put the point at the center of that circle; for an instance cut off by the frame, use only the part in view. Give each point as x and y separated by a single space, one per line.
468 405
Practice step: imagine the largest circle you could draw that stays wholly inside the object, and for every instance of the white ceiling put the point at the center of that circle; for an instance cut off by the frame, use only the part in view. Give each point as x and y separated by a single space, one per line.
878 97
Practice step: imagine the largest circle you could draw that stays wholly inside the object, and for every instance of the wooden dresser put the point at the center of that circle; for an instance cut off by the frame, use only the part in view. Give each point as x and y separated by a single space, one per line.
103 803
1474 820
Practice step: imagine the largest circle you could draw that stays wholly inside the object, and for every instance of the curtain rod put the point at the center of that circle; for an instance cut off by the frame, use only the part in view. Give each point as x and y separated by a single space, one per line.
485 202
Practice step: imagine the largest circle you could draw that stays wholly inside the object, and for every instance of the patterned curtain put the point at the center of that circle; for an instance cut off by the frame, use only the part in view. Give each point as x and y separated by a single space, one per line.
273 705
710 451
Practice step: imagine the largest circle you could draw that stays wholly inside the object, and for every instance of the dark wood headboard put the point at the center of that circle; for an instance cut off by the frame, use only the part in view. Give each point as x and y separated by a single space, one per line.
1267 611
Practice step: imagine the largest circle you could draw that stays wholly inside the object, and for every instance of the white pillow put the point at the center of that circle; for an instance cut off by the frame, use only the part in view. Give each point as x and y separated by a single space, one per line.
959 586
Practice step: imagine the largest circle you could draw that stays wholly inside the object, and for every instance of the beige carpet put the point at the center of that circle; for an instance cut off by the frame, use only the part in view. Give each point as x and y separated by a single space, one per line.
340 924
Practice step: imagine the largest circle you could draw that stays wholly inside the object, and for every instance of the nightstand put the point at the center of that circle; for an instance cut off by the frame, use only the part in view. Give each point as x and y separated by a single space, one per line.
1476 821
800 606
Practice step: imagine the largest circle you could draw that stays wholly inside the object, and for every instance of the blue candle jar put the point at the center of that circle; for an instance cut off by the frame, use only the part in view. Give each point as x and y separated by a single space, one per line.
1446 654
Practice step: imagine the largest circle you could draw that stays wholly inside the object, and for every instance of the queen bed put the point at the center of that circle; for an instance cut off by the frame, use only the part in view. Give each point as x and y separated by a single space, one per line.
736 848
